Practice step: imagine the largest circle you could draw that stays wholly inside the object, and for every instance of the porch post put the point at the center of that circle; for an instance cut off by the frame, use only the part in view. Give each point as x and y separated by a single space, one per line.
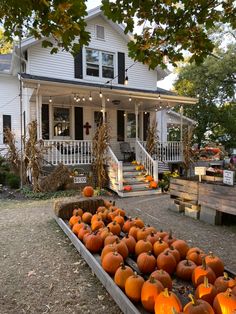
40 117
103 109
181 123
136 125
37 112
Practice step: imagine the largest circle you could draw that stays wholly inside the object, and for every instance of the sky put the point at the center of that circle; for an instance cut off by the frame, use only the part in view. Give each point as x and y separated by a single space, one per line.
166 83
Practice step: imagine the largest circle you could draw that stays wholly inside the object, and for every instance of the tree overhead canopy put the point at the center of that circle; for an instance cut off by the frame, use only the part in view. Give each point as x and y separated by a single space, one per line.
168 26
5 45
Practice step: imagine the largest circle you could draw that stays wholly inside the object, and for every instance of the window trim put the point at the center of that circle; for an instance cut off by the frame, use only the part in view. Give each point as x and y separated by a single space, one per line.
70 136
100 77
9 116
97 38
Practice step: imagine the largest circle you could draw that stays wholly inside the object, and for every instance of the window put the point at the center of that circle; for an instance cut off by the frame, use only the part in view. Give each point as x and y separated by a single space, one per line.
61 121
6 120
100 32
131 125
99 63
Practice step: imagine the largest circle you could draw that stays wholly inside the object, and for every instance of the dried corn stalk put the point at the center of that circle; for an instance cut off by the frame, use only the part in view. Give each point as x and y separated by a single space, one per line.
100 145
188 156
13 155
152 138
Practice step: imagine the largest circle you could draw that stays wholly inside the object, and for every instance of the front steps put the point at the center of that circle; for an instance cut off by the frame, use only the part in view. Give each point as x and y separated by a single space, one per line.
135 179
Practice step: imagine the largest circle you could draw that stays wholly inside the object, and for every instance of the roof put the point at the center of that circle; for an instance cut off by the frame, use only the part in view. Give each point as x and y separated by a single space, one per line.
178 116
5 62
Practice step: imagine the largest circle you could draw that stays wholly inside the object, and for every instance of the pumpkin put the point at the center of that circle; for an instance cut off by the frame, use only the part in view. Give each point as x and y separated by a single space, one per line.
195 254
150 290
97 224
120 211
96 217
120 220
127 188
111 216
174 252
146 262
133 287
206 291
94 242
153 185
200 272
215 263
76 228
182 247
122 248
111 262
161 234
105 232
74 219
142 234
122 274
101 209
88 191
115 228
166 301
133 231
149 178
234 290
87 217
152 237
185 269
78 211
167 262
151 229
162 276
169 239
224 302
108 204
138 222
159 247
110 239
127 225
142 246
198 307
130 242
224 282
107 249
85 229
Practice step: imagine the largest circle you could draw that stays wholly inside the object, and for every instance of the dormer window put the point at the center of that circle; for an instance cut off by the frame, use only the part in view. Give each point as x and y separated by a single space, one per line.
99 63
100 32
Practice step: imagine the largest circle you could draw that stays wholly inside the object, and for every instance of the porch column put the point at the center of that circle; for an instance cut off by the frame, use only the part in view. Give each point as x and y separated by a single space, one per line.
136 120
37 112
103 109
40 117
181 123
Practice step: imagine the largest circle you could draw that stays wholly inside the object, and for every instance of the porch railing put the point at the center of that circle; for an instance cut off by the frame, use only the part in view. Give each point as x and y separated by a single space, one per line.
145 159
168 151
115 169
70 152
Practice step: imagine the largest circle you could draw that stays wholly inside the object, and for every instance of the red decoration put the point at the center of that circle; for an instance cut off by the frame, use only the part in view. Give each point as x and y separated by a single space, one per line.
87 126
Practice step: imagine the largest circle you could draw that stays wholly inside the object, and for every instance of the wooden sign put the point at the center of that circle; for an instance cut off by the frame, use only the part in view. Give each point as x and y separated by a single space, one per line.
80 180
228 177
200 171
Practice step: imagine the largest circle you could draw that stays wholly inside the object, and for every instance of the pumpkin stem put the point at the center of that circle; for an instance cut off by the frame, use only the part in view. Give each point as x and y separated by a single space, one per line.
193 300
170 235
211 254
226 276
171 247
149 253
122 265
166 292
152 279
206 283
187 263
160 240
152 234
228 292
173 310
204 266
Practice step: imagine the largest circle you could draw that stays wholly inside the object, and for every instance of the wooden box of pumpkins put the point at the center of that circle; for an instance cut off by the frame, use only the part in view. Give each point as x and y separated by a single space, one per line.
157 272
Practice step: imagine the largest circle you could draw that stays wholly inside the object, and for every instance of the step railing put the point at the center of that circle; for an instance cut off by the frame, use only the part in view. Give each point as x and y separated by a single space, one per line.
115 170
145 159
70 152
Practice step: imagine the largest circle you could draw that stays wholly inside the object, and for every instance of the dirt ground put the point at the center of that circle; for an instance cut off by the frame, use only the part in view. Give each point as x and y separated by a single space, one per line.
41 272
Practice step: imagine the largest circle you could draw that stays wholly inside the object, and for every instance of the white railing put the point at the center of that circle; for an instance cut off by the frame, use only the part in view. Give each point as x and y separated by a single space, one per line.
168 151
145 159
115 170
70 152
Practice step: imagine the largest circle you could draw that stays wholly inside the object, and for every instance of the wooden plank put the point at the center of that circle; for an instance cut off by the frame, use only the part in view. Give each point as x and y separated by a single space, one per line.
222 208
183 188
119 297
184 195
187 183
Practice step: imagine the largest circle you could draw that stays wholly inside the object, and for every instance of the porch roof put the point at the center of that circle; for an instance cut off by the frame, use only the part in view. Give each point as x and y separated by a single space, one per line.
149 99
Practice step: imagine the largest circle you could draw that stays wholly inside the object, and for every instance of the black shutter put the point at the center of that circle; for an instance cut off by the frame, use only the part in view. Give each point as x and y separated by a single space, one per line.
146 121
79 123
45 122
120 126
6 120
121 68
79 65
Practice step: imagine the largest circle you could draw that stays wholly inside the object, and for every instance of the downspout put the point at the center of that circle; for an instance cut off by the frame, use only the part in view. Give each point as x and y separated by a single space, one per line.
37 111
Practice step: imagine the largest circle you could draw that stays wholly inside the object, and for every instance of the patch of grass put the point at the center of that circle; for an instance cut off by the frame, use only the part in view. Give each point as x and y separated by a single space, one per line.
28 193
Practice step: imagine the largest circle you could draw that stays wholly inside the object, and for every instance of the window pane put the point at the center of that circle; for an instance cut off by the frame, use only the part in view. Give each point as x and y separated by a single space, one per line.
61 114
107 72
92 56
92 69
61 129
107 59
61 124
131 125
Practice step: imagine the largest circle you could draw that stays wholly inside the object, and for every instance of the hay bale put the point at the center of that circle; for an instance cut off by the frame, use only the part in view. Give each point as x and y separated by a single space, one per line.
64 208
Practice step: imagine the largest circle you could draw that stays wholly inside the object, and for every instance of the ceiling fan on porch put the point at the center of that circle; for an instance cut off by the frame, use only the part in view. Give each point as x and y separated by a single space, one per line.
116 102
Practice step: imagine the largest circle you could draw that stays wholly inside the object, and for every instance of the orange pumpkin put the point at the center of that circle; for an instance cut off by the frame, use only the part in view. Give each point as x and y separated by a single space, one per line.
138 222
107 249
167 262
97 224
159 247
200 272
78 211
127 225
152 237
149 178
94 242
215 263
130 242
198 307
111 262
206 291
174 252
122 248
142 246
85 229
87 216
162 276
115 228
169 239
150 290
76 228
133 287
88 191
110 239
195 254
185 269
74 219
166 301
182 247
133 231
222 283
142 234
153 185
120 220
146 262
224 302
122 274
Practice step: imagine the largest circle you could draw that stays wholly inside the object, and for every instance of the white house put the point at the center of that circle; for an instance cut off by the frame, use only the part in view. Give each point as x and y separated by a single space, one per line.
69 96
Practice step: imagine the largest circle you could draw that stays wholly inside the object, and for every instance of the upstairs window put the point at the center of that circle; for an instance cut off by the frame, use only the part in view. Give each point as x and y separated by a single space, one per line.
6 119
99 63
100 32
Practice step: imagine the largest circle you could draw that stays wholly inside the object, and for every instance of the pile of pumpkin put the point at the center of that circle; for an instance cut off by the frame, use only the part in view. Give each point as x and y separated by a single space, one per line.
158 256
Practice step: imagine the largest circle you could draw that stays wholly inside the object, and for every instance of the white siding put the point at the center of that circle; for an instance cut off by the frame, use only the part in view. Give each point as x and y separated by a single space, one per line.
61 65
10 105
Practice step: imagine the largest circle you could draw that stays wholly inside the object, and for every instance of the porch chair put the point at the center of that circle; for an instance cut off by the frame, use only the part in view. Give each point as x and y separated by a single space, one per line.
126 150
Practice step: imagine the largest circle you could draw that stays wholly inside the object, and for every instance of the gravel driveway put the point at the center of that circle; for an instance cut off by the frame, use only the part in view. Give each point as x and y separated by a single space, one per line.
41 272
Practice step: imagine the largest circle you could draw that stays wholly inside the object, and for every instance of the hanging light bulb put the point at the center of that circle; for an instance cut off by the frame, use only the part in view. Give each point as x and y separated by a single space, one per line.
100 94
156 109
90 97
83 98
159 96
126 78
50 99
145 112
108 99
165 57
130 98
124 114
77 98
74 97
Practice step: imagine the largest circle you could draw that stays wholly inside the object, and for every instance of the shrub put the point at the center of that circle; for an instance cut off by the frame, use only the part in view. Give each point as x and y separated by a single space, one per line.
13 181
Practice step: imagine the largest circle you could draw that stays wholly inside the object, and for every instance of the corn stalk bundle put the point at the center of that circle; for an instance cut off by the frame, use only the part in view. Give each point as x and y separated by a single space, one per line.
152 139
188 156
13 155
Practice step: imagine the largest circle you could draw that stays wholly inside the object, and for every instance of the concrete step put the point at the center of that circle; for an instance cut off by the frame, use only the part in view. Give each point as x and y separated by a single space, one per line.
133 174
137 192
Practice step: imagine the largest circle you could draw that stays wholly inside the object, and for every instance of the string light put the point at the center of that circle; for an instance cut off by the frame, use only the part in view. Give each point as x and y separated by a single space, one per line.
83 98
126 78
100 94
50 99
165 57
77 98
108 99
159 96
130 98
90 97
74 97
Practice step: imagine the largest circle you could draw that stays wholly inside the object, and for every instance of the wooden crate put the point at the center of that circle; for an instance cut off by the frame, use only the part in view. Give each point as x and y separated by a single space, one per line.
184 190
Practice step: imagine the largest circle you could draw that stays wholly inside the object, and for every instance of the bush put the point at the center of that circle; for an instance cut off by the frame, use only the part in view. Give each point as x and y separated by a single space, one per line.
3 175
13 181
